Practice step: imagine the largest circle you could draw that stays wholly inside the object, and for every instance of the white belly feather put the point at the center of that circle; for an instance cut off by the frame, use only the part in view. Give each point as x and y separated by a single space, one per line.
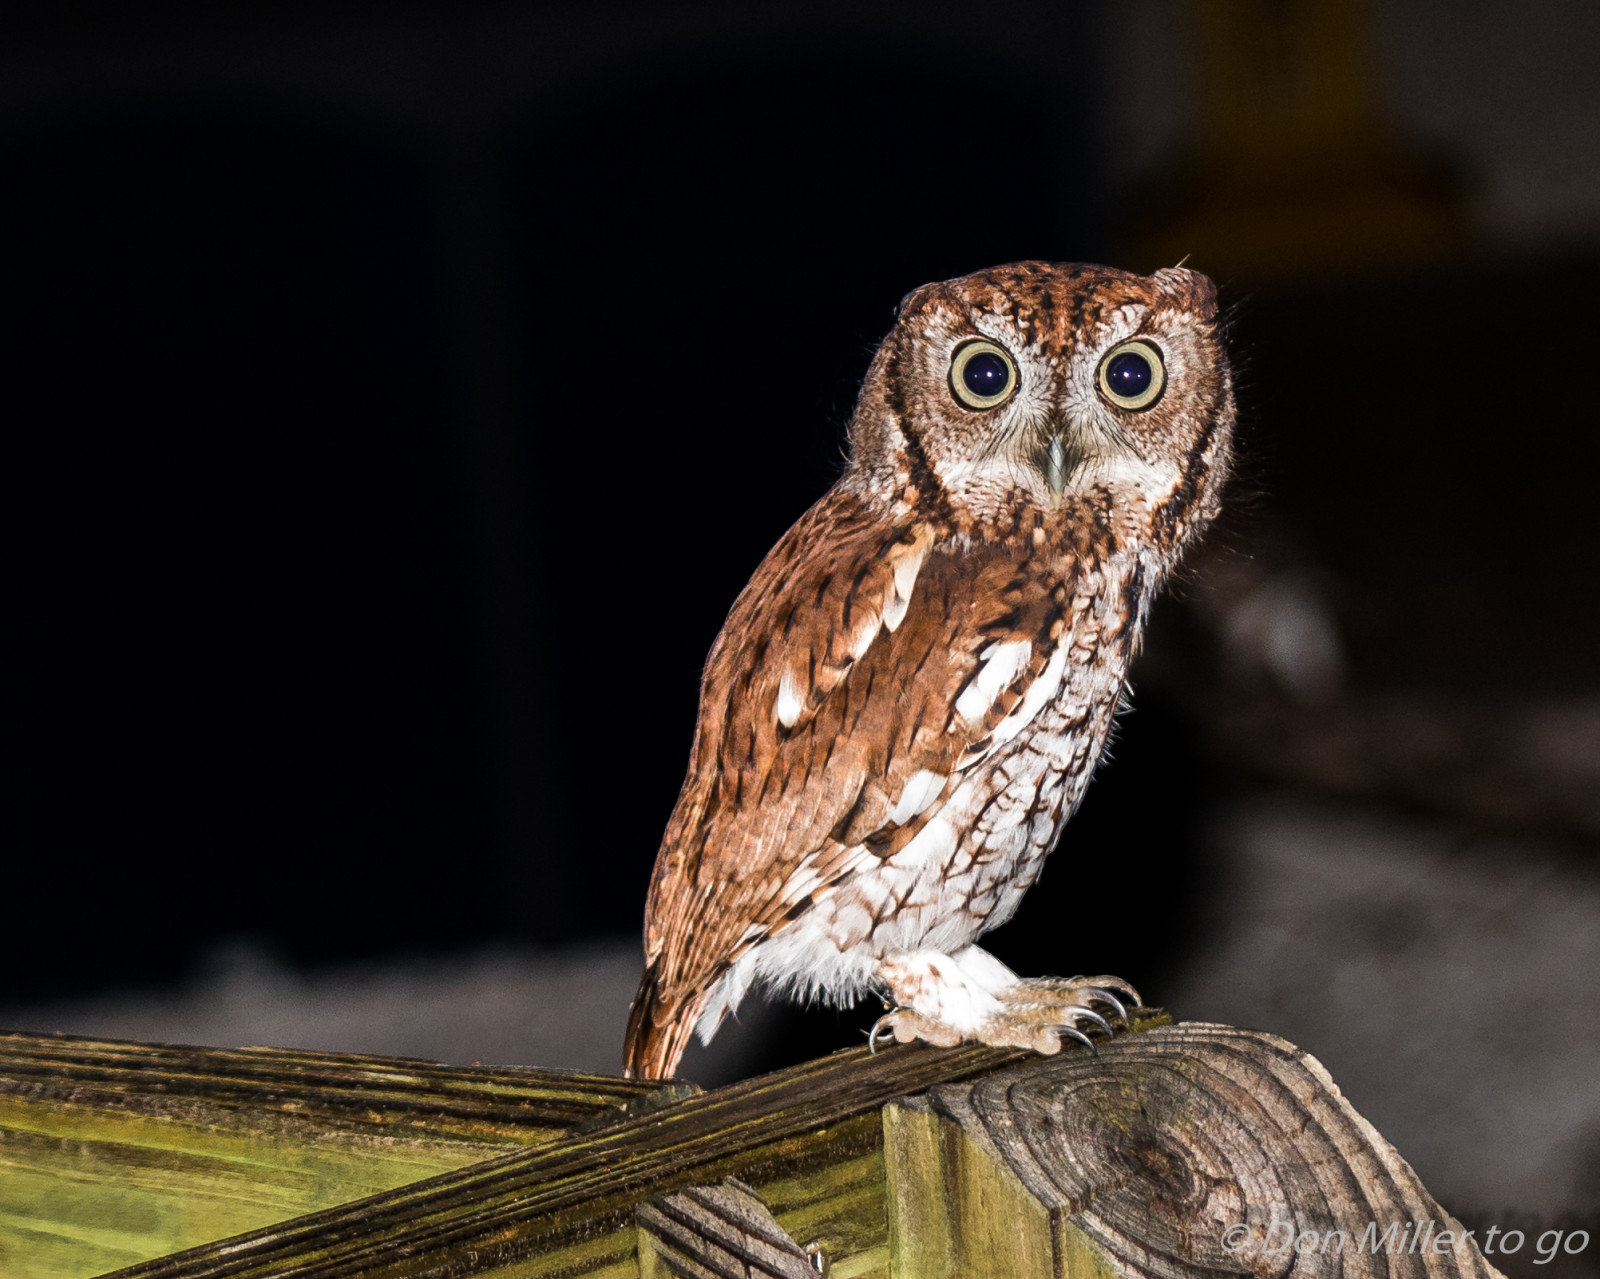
967 869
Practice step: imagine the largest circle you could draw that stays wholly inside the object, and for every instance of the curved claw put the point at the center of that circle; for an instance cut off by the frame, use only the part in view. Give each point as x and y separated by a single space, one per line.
878 1028
1074 1033
1088 1014
1112 983
1110 1001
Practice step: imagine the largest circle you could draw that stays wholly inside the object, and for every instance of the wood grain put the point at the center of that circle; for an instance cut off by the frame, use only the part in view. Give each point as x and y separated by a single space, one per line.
544 1211
114 1153
1134 1164
716 1232
1187 1152
348 1092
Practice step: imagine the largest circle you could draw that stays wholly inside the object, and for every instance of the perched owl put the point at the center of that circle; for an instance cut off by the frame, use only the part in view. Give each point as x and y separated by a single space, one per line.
906 702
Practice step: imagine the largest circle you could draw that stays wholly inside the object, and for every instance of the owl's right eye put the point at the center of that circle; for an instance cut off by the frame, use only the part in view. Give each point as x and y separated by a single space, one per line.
982 375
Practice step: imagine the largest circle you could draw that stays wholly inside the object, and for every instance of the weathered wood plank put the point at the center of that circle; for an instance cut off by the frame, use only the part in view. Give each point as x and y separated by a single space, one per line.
952 1209
519 1213
113 1153
716 1232
375 1096
1130 1164
839 1208
1135 1164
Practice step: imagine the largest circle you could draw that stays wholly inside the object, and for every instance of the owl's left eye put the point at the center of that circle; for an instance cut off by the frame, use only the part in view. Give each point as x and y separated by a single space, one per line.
982 375
1132 375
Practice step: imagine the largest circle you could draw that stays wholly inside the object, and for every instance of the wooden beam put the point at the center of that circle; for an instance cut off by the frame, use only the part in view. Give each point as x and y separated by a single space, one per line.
809 1137
322 1092
114 1153
1195 1150
717 1232
1181 1152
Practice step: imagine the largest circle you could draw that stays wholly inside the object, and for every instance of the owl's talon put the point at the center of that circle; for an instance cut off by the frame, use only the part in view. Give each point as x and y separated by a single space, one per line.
1110 983
1111 1002
970 996
1077 1011
879 1028
1074 1033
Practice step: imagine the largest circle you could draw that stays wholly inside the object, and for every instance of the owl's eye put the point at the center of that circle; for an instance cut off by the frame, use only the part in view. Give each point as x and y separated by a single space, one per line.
1132 375
982 375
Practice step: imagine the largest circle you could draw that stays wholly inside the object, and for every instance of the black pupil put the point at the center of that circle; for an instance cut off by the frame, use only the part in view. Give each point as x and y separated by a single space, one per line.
986 375
1128 375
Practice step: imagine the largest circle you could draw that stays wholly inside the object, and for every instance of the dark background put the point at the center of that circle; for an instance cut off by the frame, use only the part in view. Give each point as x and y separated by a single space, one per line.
392 451
396 399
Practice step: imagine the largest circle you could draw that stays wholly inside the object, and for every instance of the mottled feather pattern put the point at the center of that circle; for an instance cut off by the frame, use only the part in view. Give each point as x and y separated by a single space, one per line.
906 702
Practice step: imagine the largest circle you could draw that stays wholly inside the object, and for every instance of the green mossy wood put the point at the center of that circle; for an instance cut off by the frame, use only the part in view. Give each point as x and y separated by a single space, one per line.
113 1153
1128 1164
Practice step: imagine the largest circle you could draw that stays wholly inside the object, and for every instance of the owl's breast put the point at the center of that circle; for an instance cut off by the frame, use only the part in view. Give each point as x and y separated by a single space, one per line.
969 866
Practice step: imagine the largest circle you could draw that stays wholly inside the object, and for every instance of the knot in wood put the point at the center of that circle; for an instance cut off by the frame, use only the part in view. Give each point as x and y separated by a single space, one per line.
1203 1149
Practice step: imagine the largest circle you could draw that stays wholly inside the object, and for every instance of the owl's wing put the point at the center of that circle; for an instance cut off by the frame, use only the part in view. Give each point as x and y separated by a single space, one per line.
858 674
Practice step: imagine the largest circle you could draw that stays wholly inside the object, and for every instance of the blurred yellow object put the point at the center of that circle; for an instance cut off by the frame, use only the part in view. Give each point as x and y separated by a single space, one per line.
1293 170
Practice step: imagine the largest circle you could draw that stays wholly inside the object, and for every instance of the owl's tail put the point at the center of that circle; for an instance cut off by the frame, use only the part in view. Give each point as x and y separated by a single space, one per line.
658 1031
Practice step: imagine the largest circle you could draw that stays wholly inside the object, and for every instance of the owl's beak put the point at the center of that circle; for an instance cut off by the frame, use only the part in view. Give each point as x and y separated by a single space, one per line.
1060 454
1056 466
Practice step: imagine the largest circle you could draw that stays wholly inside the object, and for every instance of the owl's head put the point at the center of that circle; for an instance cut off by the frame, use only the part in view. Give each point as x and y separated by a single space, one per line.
1049 386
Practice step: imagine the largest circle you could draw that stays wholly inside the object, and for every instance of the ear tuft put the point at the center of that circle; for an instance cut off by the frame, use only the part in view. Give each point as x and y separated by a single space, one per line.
911 300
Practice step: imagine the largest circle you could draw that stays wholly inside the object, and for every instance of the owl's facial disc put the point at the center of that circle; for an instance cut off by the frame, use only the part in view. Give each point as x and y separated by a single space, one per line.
1055 393
1052 386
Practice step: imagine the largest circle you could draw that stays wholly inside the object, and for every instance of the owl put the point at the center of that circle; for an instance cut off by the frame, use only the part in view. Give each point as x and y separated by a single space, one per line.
906 702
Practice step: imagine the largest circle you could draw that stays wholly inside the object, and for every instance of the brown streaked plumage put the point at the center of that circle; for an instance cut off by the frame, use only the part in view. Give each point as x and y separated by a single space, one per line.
907 700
